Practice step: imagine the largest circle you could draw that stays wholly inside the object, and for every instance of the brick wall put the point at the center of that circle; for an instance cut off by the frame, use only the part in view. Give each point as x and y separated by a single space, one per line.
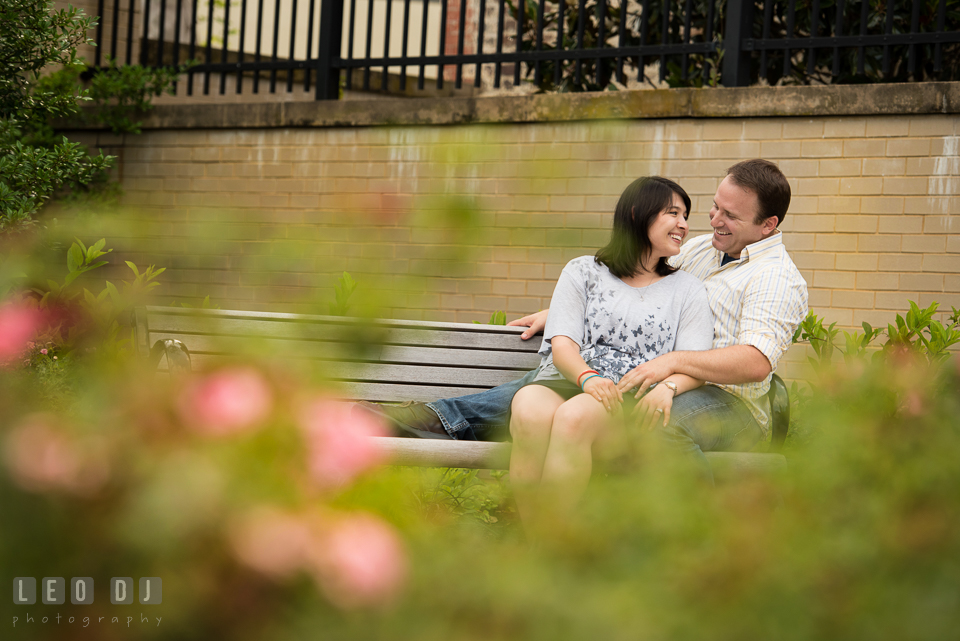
264 219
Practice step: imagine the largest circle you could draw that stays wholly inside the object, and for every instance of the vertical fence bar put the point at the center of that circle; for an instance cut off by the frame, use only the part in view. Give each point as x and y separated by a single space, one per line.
330 39
130 31
223 50
241 45
443 41
113 30
500 27
176 38
888 29
308 69
578 67
622 41
146 32
369 44
208 53
736 62
791 23
521 14
708 37
537 72
256 54
644 20
481 22
814 30
163 32
837 32
386 45
423 41
404 45
601 37
665 37
561 32
767 21
291 57
913 50
96 50
193 45
276 46
864 5
460 35
688 11
348 72
938 48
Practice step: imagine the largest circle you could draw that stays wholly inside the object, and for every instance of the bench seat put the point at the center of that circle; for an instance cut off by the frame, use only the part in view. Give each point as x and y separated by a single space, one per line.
376 360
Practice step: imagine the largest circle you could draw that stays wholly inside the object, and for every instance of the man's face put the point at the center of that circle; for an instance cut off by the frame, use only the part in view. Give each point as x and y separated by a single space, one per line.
733 218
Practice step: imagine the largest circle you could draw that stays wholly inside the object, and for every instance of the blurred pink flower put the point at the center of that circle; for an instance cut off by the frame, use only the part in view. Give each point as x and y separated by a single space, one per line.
18 324
44 351
42 458
272 542
225 402
340 442
360 562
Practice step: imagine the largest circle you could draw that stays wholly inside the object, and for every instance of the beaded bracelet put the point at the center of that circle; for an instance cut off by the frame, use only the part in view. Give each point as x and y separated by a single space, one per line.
586 371
587 379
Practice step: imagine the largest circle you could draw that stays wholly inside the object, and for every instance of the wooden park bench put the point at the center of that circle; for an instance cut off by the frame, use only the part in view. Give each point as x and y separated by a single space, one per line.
385 361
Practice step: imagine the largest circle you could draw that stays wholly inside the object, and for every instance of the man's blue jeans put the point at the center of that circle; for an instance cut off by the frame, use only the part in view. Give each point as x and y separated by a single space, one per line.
482 416
707 419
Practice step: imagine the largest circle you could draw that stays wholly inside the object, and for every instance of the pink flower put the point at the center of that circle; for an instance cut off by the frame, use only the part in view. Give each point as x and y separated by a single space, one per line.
42 458
226 402
44 351
271 542
18 324
360 562
340 442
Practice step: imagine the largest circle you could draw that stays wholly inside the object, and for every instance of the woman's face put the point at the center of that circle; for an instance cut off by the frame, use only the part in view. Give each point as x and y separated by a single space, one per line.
668 229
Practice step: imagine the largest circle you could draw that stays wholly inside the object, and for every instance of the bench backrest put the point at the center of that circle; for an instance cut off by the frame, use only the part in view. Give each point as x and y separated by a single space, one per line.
377 360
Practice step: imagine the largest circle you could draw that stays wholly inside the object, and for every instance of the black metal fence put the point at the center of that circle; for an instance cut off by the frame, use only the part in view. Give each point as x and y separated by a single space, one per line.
320 46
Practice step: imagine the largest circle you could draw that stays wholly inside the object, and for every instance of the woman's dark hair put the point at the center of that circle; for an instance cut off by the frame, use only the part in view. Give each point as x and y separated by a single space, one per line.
640 203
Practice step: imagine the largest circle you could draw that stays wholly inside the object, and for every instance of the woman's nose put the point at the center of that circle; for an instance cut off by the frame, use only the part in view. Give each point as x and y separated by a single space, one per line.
682 223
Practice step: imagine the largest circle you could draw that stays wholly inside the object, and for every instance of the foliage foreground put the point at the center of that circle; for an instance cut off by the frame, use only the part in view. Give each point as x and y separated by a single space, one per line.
258 501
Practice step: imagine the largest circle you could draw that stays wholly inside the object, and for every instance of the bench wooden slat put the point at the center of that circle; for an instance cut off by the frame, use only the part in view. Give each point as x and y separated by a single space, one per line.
496 456
176 324
157 312
391 392
384 373
332 351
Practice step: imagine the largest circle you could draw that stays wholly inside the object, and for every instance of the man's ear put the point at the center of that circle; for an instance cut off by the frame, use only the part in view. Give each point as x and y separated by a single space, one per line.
769 225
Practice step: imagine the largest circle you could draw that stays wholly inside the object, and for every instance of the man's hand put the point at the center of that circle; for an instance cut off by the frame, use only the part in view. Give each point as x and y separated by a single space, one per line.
536 323
654 408
645 375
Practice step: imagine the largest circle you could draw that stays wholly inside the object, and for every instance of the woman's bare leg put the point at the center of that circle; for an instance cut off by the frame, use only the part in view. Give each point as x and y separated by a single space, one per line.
532 412
577 425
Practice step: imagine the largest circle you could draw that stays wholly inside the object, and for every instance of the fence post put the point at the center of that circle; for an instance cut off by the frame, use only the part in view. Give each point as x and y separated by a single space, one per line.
739 28
331 33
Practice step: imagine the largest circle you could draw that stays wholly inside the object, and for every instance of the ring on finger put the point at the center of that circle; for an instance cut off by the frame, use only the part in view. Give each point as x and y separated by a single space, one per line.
658 411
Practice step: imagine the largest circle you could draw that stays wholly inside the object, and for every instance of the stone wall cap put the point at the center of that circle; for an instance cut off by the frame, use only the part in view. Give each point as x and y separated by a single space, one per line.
741 102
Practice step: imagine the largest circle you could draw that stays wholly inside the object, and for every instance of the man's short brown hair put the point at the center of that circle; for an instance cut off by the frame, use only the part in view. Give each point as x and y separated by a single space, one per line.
765 179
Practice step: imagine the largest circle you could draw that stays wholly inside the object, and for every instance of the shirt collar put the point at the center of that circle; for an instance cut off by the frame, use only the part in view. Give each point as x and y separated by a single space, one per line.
754 250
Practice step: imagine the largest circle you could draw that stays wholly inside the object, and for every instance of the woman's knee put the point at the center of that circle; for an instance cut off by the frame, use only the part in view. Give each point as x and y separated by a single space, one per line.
580 418
530 413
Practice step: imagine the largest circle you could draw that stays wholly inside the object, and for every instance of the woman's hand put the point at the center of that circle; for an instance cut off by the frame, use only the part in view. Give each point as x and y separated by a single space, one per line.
605 391
654 407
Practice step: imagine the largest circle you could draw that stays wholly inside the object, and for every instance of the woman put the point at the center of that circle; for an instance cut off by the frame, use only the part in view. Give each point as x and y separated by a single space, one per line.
609 314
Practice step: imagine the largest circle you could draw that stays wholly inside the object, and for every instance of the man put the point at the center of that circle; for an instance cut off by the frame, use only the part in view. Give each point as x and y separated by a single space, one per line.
758 299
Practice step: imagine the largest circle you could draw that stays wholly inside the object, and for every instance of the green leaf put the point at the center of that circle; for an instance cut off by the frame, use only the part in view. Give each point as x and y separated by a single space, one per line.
75 256
133 268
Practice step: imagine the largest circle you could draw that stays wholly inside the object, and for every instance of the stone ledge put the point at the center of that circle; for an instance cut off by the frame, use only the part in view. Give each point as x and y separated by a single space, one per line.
837 100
